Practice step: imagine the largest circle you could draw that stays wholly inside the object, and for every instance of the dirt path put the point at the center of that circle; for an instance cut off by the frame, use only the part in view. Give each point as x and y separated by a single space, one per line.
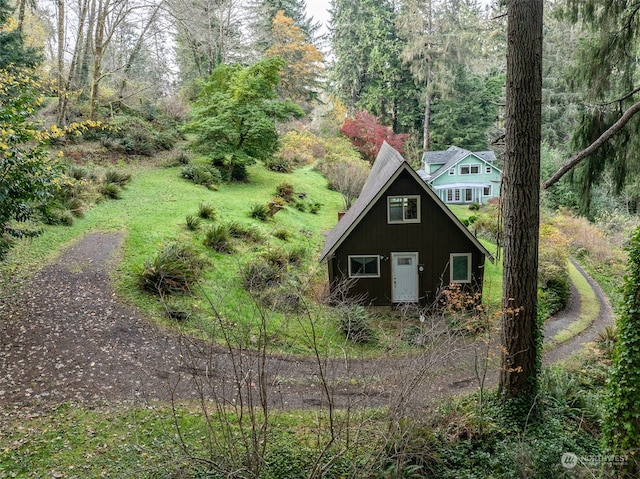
69 338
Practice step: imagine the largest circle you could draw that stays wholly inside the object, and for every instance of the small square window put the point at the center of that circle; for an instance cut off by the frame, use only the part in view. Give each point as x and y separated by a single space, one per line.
452 171
487 170
404 209
365 266
460 268
486 191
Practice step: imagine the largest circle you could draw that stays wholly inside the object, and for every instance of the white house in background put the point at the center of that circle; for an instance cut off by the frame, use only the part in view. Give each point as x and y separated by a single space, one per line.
461 176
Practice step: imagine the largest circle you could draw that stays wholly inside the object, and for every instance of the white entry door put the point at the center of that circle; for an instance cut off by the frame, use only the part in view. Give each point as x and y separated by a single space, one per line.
404 271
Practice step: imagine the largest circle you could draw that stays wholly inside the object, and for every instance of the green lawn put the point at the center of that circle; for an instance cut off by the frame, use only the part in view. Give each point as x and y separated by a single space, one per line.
152 212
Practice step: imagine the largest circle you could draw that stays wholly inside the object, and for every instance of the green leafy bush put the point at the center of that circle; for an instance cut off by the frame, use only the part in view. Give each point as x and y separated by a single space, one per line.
116 177
282 234
175 269
258 275
246 232
111 191
259 211
205 175
193 222
206 211
354 323
218 239
285 191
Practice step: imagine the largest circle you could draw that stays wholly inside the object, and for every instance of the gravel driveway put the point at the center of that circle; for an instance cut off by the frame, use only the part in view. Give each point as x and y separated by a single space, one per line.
69 338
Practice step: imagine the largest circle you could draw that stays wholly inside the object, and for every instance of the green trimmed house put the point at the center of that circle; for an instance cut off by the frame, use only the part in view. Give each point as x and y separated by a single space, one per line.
459 176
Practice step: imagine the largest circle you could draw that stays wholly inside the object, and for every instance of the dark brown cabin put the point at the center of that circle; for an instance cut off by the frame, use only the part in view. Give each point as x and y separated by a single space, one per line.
399 243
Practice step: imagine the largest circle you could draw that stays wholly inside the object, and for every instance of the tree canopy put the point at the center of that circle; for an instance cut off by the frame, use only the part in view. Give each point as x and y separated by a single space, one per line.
234 118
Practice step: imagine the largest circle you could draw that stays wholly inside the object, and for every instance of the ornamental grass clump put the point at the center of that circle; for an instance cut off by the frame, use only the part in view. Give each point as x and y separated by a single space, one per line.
218 239
175 269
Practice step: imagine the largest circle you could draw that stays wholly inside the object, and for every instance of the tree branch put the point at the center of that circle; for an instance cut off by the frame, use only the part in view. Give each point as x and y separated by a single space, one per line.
578 157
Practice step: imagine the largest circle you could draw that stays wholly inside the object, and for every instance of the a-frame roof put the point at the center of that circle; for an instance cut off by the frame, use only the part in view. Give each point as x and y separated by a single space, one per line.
452 156
387 167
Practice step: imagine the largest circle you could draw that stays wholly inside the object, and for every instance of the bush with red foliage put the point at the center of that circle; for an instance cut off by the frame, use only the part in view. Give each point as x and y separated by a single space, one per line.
367 135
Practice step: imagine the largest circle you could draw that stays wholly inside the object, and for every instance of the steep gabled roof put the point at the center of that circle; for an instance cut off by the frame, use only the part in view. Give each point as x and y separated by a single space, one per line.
452 156
387 167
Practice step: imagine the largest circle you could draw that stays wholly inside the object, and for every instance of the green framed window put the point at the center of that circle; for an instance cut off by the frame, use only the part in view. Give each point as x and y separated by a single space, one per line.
460 267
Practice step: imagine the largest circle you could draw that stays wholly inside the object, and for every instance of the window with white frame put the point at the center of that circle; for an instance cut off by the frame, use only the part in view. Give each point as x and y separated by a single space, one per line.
487 169
403 209
449 195
456 195
469 169
452 171
486 191
364 266
460 267
468 194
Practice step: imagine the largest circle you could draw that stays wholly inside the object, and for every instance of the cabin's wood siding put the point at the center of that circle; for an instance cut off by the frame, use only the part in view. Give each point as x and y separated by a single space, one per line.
434 238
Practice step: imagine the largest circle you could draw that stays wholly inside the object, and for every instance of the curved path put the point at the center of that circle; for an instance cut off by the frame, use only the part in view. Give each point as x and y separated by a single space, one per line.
68 338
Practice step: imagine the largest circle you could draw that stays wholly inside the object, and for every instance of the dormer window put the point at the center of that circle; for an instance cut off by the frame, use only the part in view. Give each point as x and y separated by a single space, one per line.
403 209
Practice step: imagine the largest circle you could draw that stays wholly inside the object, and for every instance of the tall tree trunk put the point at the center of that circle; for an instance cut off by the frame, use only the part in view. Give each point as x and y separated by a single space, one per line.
521 200
425 126
62 90
22 7
98 54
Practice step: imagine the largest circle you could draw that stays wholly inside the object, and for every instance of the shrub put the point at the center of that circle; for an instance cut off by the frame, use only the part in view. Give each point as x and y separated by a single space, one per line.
259 211
258 275
282 234
116 177
354 323
296 255
281 299
279 164
111 191
552 269
474 206
205 175
206 211
314 208
285 191
174 269
193 222
78 173
218 239
246 232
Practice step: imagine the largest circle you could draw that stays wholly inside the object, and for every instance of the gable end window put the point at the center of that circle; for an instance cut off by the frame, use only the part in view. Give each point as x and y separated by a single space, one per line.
487 170
403 209
469 169
452 171
364 266
460 268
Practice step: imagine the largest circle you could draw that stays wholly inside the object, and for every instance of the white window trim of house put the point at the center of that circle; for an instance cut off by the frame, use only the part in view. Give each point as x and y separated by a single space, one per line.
353 274
452 256
486 191
452 171
470 166
404 219
487 169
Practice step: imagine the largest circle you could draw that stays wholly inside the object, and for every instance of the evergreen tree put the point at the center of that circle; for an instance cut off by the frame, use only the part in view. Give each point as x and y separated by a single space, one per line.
367 72
12 49
300 77
264 13
608 71
463 117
